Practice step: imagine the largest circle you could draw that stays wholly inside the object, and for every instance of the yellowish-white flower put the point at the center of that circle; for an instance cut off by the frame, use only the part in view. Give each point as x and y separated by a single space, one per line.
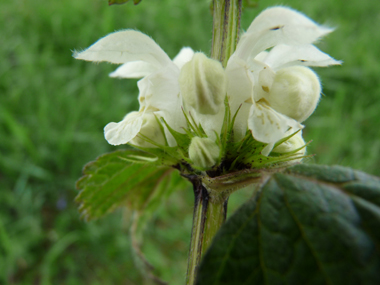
294 92
202 83
275 92
267 77
150 129
159 89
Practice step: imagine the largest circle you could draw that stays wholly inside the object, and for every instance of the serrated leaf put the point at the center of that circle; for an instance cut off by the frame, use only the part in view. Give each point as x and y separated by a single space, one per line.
111 2
308 225
113 180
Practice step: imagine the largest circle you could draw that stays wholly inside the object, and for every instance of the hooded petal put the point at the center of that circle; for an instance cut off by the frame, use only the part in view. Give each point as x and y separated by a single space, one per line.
277 17
125 46
185 55
308 55
269 126
134 69
124 131
278 25
139 69
202 84
295 92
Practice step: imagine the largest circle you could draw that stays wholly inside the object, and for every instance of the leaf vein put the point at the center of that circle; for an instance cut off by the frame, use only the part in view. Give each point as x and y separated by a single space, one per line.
308 243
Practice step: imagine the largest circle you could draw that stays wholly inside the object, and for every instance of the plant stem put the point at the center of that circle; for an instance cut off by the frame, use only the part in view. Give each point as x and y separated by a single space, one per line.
209 215
226 25
210 210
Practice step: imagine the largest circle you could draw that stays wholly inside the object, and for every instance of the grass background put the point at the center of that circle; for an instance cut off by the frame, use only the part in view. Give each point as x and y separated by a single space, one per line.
53 110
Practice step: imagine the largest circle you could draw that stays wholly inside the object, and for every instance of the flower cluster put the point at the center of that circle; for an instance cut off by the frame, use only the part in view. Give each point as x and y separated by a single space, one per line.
257 102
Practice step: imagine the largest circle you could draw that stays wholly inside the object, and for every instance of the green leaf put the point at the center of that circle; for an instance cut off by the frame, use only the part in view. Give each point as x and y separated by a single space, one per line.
114 180
111 2
308 225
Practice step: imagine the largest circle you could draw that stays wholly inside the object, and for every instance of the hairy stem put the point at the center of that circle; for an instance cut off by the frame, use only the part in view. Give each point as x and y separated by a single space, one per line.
226 25
210 210
209 215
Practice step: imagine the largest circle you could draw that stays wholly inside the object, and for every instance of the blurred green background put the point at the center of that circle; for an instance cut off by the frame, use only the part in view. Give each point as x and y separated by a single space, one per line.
53 110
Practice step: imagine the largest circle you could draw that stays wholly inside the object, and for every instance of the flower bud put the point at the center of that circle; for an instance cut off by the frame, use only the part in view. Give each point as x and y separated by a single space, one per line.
295 92
203 84
291 144
203 152
150 128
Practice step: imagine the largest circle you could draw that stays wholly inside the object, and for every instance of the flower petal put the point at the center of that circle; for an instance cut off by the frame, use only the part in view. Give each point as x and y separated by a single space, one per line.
168 118
278 25
239 84
125 46
124 131
134 69
274 17
269 126
185 55
139 69
160 92
308 55
241 122
160 89
202 84
295 92
261 56
211 124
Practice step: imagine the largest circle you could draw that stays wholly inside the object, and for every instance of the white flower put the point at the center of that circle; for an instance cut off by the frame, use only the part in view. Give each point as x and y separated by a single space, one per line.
202 83
275 93
267 77
159 89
